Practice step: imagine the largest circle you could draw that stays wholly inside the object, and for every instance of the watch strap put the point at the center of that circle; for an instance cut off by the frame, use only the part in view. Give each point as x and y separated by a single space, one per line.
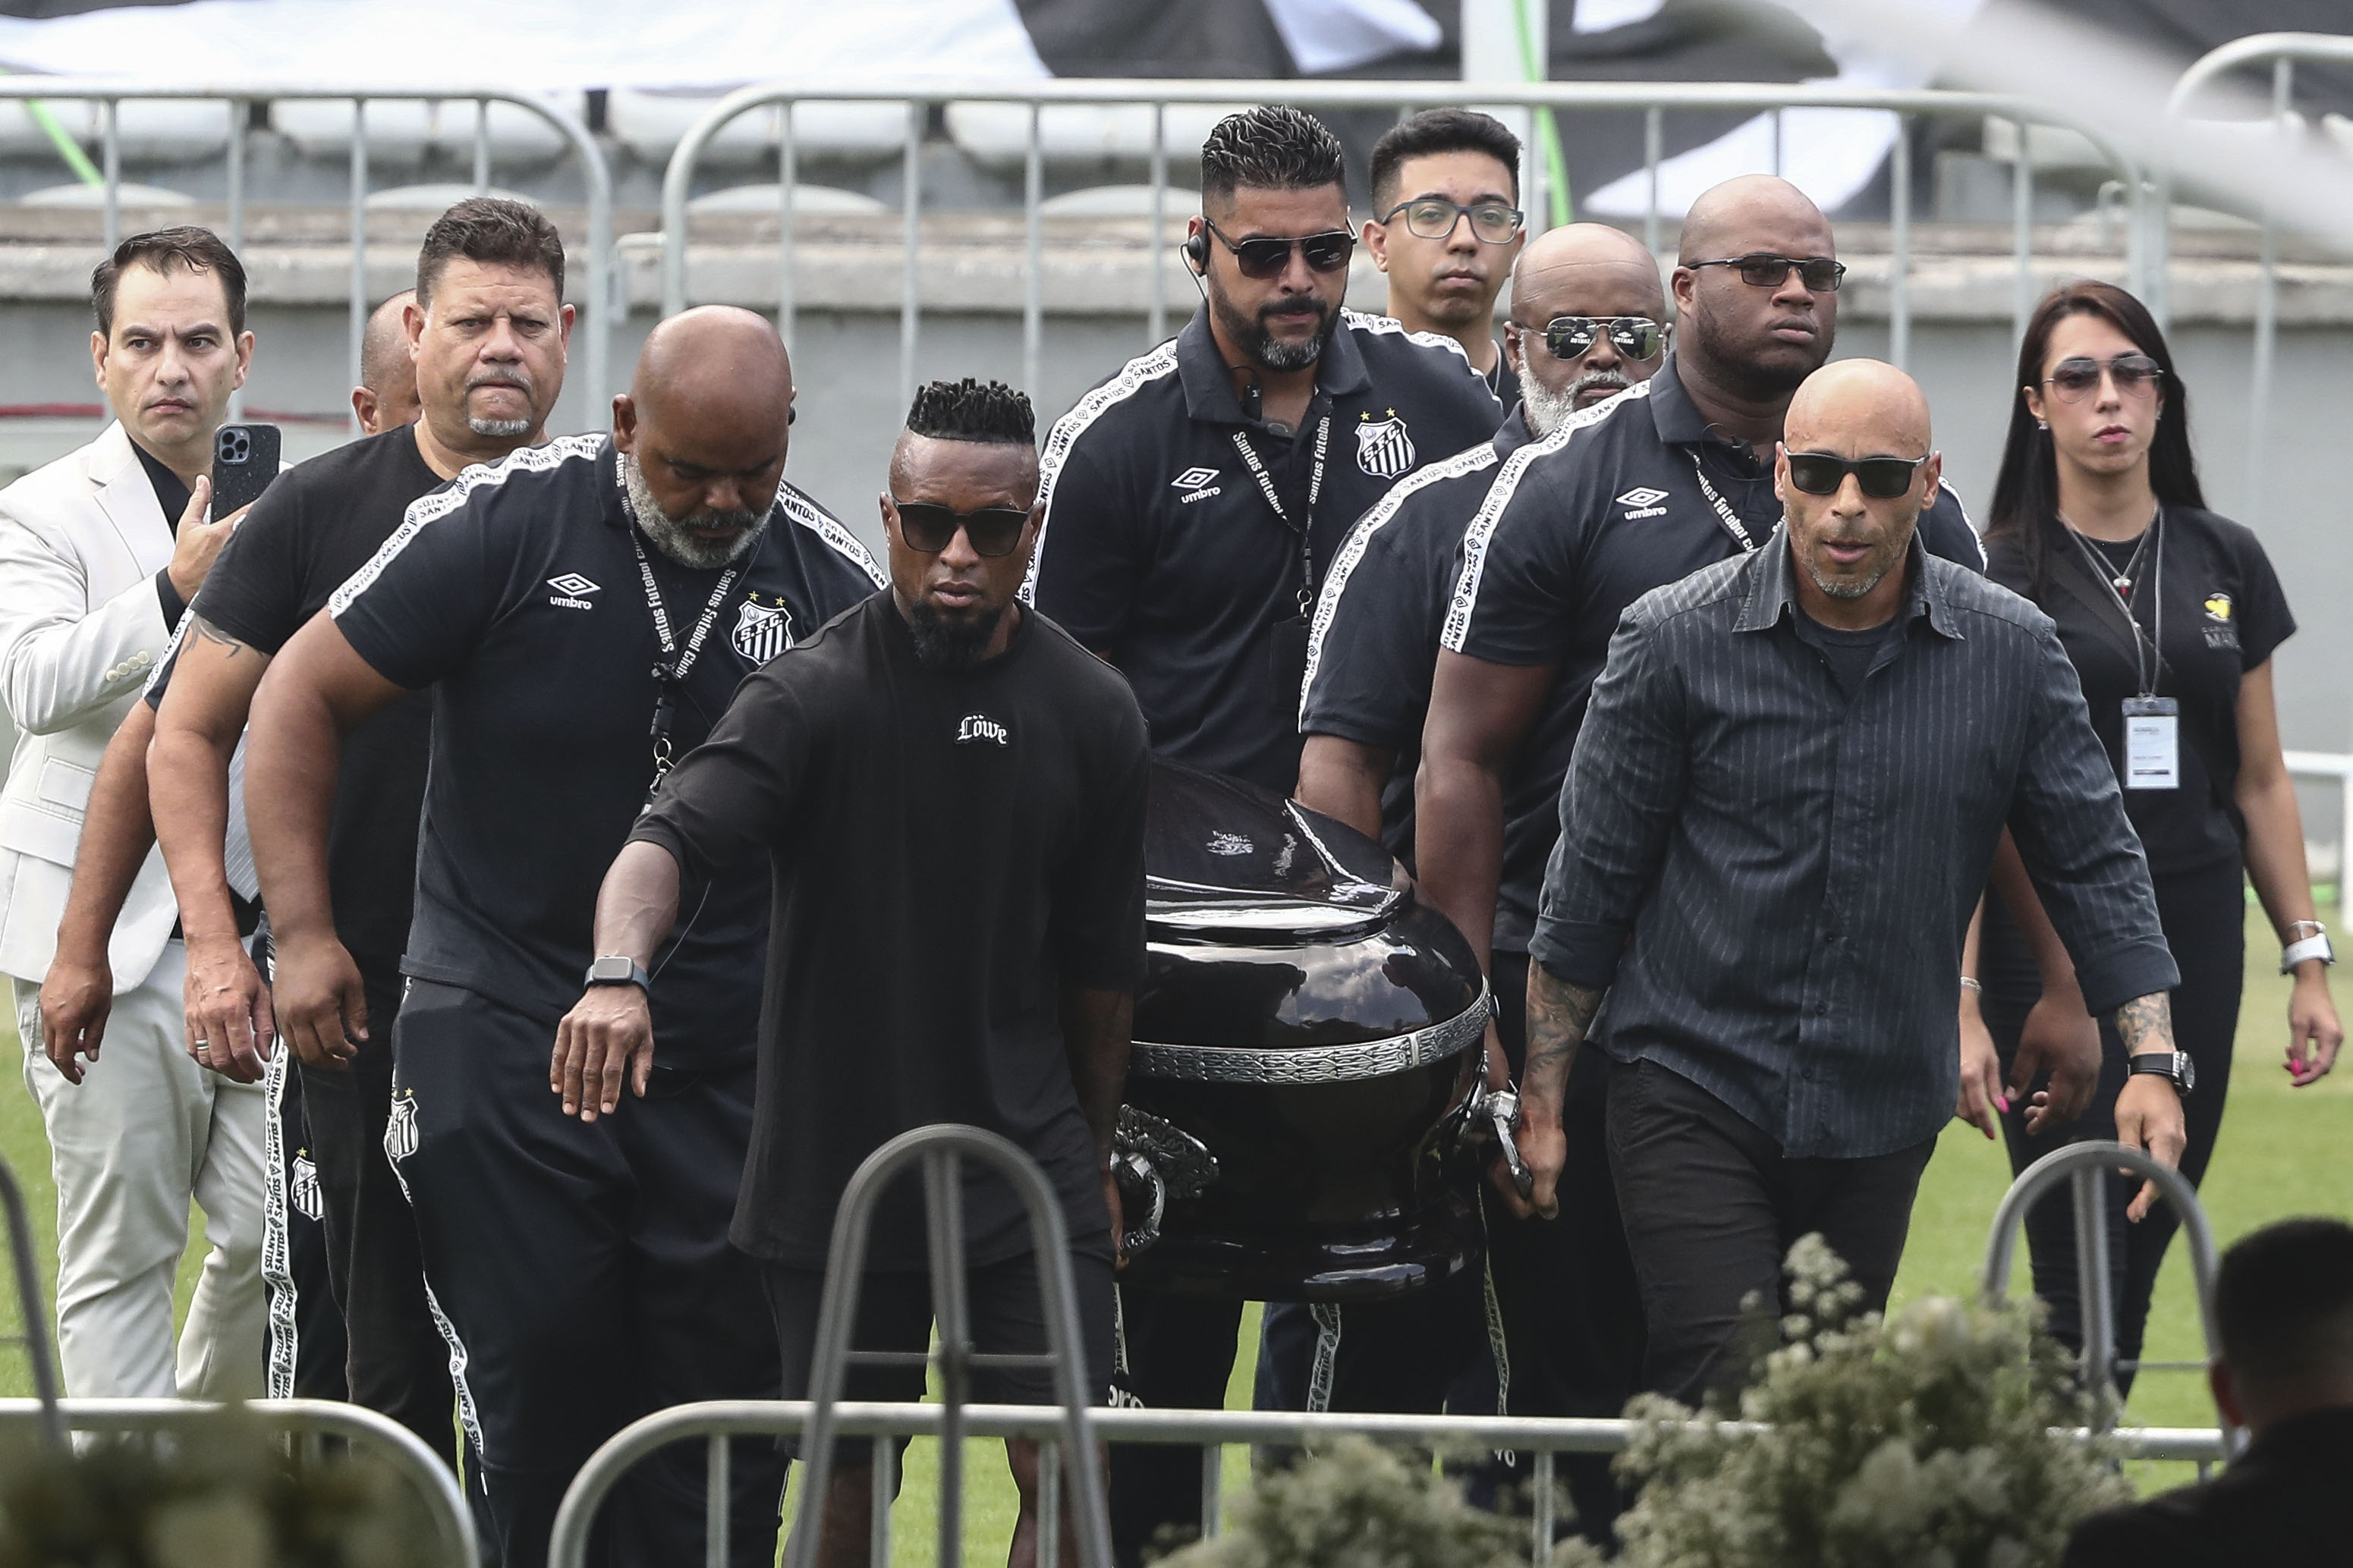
615 969
2171 1066
2307 948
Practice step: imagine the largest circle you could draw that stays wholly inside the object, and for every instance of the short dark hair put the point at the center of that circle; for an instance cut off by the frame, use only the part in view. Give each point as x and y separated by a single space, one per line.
490 231
1436 130
161 249
2284 1300
971 410
1273 147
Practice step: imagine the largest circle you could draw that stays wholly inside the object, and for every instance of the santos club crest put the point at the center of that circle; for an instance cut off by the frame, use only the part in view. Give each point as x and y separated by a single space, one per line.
1383 448
763 631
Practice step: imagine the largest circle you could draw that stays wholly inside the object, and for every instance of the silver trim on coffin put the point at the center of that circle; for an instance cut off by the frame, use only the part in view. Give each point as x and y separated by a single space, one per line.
1313 1063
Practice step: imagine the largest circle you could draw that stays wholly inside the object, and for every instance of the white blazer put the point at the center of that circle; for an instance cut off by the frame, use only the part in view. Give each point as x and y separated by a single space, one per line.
81 631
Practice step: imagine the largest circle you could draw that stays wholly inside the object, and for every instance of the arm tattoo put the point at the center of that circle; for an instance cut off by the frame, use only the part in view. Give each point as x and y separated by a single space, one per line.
2146 1023
1558 1015
213 634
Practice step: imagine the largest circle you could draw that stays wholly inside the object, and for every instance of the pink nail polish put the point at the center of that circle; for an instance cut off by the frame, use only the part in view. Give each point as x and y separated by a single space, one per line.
2001 1103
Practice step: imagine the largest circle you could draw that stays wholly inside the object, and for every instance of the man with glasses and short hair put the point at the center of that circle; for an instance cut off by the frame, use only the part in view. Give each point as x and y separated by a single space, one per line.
1006 769
1446 228
1793 773
1194 503
1588 321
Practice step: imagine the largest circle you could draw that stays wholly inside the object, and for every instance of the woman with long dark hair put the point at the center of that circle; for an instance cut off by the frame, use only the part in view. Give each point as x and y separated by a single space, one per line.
2169 614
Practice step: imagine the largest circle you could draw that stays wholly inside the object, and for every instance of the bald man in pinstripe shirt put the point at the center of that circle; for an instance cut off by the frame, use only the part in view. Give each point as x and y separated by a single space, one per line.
1775 826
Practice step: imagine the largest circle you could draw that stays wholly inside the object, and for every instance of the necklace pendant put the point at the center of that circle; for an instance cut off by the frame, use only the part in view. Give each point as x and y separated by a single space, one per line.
2123 584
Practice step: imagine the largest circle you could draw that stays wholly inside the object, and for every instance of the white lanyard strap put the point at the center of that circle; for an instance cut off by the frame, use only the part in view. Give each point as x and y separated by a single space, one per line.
1305 527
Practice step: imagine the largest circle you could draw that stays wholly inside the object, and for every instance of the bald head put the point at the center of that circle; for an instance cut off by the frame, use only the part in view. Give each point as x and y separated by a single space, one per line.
1559 258
1587 271
387 395
704 427
1858 408
1753 211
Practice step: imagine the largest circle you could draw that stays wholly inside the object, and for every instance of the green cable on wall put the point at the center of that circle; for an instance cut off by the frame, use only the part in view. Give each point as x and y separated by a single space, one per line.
70 150
1548 129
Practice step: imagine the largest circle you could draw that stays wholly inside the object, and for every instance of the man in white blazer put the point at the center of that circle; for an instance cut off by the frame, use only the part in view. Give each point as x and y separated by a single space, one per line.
100 553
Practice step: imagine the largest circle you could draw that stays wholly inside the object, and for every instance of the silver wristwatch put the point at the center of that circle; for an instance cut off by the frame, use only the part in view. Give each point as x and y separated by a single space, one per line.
2315 945
2174 1066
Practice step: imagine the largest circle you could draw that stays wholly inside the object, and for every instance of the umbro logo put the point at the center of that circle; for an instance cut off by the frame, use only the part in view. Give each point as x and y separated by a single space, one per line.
981 727
569 589
1199 484
1642 501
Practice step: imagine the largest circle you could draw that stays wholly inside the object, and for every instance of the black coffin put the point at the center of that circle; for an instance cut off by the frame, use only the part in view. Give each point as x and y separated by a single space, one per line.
1306 1035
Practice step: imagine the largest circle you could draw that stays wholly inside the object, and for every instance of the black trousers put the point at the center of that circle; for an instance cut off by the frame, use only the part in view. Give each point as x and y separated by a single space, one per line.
306 1320
1712 1206
2203 915
1565 1289
396 1362
1175 1352
586 1277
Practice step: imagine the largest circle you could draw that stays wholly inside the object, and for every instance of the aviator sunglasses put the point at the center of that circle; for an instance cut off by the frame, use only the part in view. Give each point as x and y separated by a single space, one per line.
1267 257
929 528
2076 379
1881 478
1570 337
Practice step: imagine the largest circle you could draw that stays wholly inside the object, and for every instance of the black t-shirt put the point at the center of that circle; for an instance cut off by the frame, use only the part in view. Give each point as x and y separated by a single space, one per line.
314 527
515 593
1162 552
2224 613
951 850
1374 645
172 494
1502 382
1846 655
1626 496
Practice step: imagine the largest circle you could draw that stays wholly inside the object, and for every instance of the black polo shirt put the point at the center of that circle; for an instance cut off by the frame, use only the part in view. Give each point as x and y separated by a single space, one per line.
1627 496
1374 645
1162 552
516 594
2224 615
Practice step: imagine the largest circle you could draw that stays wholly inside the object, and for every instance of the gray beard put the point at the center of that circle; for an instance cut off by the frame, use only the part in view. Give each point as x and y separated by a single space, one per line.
1545 409
672 538
499 429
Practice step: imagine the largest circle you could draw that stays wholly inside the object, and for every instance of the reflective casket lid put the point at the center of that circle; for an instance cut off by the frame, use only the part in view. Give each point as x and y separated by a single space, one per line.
1304 1045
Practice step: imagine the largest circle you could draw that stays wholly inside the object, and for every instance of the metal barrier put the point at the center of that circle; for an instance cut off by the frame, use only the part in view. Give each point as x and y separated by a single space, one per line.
2086 1167
2281 51
36 1335
1652 98
312 1419
237 100
1208 1430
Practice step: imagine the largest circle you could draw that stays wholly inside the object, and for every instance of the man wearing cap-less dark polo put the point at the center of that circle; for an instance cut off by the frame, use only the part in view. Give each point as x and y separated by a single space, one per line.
1194 502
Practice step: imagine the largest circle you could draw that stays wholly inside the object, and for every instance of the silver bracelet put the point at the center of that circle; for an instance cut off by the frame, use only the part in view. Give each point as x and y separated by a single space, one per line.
1969 982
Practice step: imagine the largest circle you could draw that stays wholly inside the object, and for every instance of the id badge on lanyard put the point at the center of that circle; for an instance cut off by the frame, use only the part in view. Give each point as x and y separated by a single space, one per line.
2152 742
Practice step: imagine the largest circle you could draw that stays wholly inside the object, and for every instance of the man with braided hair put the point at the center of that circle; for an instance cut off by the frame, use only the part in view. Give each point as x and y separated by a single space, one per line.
950 791
582 612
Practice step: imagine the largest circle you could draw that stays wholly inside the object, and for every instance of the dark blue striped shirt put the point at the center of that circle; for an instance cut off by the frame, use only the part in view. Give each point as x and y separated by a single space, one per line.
1774 882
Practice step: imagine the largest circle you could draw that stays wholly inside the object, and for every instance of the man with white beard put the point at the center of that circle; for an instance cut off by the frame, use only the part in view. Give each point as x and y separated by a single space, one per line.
582 612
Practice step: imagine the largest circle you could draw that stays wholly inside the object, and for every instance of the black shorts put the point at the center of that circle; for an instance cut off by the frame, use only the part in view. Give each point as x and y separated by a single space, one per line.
894 1313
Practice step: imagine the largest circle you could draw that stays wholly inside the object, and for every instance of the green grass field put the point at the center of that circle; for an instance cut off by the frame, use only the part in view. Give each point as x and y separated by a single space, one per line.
2281 1154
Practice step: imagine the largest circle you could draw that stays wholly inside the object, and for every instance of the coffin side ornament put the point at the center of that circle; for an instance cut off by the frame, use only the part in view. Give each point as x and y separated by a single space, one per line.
1155 1161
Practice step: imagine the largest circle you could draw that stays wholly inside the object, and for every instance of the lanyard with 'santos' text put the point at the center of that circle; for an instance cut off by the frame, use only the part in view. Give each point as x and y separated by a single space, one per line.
1724 512
676 663
1304 527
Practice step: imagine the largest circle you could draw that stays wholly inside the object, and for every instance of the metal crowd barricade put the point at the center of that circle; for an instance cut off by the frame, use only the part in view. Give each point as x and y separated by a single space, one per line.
237 100
310 1420
2282 52
1652 98
36 1315
2086 1167
1211 1431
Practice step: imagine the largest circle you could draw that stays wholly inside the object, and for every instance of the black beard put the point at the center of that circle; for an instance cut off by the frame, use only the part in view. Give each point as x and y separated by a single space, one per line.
1250 335
1745 377
942 643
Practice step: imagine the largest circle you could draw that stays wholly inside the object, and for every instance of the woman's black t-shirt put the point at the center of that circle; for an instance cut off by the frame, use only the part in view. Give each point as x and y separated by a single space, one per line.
2223 615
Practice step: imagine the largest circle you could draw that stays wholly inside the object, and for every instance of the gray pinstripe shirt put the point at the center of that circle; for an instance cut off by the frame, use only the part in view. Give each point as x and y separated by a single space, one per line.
1773 882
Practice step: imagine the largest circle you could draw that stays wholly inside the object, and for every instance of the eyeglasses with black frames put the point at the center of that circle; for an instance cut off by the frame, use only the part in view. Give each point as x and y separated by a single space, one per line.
1267 257
1760 269
1881 478
1434 217
929 528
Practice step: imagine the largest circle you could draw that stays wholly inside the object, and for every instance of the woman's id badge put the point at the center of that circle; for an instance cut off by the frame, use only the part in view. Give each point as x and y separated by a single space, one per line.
2152 742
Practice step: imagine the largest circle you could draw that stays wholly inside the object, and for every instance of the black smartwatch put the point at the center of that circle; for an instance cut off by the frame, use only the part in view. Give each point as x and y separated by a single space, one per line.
617 971
2174 1066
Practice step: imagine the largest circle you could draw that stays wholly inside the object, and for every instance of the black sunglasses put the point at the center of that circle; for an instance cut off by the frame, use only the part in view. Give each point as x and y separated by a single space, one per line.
2076 379
929 528
1570 337
1267 257
1881 478
1820 273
